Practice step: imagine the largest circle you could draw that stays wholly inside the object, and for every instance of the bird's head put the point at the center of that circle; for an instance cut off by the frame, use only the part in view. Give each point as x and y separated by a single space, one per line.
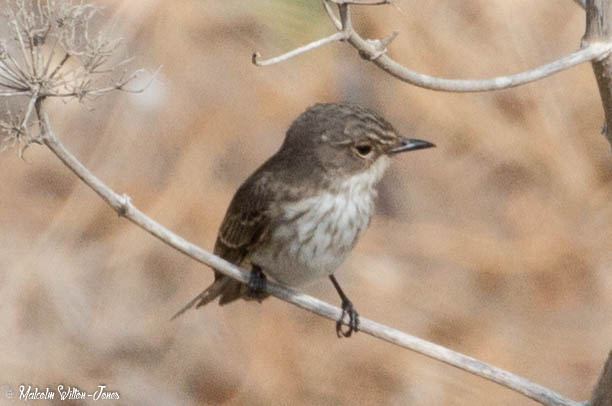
346 139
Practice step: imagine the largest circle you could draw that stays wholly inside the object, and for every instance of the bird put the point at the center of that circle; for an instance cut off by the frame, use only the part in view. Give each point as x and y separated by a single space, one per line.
299 215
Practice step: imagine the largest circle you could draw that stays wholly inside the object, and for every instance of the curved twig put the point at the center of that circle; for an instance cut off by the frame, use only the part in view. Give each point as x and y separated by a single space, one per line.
589 53
369 50
123 206
375 51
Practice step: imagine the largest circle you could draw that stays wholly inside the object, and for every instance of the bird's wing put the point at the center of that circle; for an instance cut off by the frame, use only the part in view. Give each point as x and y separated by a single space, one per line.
245 225
246 222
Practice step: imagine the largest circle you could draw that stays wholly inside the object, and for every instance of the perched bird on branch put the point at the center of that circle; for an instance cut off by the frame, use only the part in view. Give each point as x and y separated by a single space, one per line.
296 218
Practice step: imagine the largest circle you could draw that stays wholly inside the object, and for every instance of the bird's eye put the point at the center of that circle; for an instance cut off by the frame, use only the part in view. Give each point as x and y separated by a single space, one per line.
363 149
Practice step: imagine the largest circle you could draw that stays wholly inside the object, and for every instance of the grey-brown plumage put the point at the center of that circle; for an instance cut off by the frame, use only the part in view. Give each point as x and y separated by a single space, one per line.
299 215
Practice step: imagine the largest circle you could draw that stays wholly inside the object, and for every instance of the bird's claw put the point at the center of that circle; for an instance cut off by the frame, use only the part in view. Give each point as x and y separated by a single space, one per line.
353 323
256 287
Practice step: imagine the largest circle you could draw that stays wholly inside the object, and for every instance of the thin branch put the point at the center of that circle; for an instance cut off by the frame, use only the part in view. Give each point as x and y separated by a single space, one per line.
339 36
15 93
7 74
16 69
59 65
17 30
10 86
345 18
118 85
591 52
31 103
599 30
375 51
331 15
369 50
123 206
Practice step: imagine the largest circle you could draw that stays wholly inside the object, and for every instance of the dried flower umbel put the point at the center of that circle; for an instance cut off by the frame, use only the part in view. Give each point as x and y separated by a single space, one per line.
51 51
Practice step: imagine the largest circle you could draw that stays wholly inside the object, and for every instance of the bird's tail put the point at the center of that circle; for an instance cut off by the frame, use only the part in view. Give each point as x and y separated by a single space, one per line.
219 287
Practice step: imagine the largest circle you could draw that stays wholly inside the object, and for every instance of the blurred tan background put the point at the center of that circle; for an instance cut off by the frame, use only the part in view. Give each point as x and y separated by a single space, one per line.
497 244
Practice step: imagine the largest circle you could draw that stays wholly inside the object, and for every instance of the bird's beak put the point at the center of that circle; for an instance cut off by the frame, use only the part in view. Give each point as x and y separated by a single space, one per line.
409 144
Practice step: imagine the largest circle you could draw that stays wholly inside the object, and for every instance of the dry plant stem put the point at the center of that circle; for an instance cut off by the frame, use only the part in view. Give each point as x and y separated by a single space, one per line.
591 52
315 44
599 30
122 205
369 51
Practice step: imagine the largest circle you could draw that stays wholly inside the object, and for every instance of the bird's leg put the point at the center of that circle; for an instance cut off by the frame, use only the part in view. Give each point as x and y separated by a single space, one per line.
347 308
256 287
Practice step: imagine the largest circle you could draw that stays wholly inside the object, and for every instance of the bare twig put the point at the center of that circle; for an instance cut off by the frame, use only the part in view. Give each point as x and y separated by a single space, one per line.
599 30
331 15
339 36
30 108
123 206
14 93
368 50
375 51
59 65
84 69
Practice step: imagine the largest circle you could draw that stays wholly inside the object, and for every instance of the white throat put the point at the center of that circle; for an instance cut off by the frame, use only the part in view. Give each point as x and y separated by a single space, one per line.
366 180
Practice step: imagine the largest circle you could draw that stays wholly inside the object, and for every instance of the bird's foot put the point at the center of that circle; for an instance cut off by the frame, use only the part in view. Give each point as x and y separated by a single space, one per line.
256 287
353 323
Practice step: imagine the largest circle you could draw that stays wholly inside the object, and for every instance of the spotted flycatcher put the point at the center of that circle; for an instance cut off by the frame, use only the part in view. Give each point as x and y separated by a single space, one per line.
296 218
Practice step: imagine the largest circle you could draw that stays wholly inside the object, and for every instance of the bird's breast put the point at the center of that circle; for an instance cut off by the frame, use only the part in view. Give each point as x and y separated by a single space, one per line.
315 234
